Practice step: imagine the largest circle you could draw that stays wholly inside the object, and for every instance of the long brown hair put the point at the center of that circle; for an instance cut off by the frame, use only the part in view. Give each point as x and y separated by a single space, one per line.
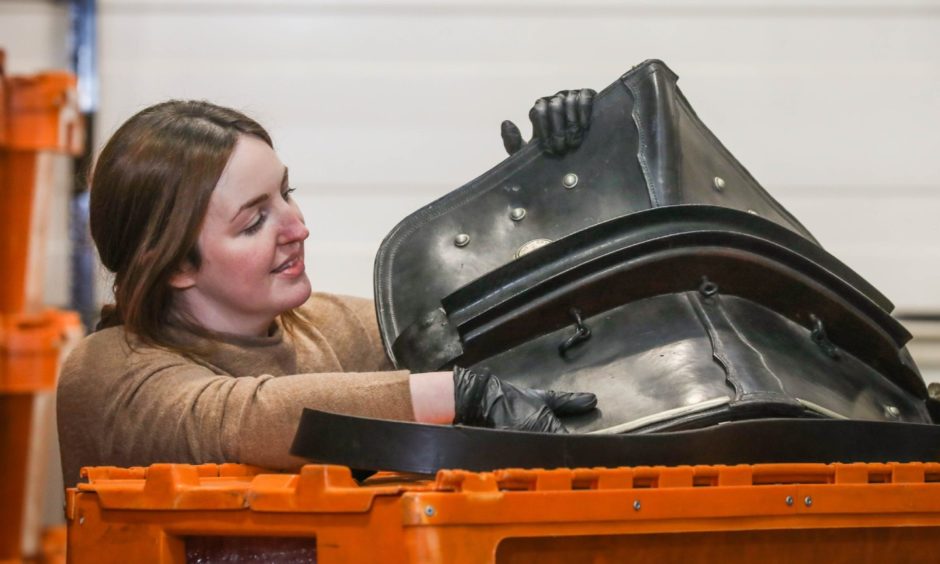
149 195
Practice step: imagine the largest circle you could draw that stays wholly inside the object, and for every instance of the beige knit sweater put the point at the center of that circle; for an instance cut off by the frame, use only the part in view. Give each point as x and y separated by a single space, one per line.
241 402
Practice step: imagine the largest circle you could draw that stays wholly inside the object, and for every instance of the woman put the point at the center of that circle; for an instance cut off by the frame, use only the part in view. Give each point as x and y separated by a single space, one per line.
215 343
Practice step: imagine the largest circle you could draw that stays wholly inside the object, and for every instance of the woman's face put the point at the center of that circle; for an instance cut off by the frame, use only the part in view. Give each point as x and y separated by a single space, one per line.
251 246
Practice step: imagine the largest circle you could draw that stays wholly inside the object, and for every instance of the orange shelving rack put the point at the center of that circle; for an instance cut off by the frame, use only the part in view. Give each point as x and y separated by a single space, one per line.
750 513
39 122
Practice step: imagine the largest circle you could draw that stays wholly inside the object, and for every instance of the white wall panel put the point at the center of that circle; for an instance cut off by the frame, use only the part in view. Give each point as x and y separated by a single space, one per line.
33 33
379 107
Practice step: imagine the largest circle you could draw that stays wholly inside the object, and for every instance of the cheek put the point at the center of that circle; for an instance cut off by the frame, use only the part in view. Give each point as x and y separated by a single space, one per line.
242 259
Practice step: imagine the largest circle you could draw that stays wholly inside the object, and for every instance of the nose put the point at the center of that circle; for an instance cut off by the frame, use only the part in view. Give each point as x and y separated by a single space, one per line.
293 229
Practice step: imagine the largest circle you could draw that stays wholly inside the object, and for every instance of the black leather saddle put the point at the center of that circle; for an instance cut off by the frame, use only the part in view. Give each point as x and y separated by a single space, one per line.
649 267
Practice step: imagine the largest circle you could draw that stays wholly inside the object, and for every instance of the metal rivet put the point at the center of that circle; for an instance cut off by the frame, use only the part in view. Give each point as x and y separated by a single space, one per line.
807 501
462 240
752 212
636 505
719 183
892 411
531 246
570 180
517 214
789 500
429 511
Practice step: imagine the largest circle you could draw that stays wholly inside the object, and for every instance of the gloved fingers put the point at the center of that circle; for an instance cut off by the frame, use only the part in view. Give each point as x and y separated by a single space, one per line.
569 403
541 129
559 122
556 118
542 420
551 424
512 137
585 107
573 132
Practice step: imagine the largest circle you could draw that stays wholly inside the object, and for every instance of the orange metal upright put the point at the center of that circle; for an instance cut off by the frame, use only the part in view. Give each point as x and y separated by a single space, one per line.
38 119
750 513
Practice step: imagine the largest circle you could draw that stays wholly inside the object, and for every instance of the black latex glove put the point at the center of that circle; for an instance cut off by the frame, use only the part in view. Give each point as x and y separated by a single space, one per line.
483 400
559 122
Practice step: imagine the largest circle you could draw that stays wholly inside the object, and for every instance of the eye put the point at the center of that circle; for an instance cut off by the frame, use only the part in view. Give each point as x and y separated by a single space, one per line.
254 227
286 193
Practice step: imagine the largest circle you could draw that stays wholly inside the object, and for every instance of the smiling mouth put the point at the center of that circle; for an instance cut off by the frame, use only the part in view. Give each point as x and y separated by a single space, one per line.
286 265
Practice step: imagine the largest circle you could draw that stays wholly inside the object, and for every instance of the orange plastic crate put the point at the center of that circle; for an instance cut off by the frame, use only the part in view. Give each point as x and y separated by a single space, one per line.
31 346
40 112
768 513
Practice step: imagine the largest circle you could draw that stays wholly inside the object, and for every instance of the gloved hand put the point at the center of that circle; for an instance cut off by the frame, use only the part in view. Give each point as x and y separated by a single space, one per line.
558 122
482 400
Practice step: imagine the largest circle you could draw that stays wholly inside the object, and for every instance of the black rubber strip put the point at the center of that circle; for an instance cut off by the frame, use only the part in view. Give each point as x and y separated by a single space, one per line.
377 444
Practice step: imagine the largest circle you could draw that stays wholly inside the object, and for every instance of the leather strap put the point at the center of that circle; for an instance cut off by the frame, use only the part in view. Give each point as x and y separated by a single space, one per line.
377 444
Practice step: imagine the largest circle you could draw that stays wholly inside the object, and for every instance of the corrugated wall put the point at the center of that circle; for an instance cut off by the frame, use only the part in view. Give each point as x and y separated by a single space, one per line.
380 106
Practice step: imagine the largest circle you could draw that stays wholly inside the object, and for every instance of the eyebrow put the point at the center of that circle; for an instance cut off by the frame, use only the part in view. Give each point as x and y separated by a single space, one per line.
258 199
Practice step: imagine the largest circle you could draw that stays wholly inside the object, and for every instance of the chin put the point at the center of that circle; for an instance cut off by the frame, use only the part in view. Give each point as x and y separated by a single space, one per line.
286 297
299 295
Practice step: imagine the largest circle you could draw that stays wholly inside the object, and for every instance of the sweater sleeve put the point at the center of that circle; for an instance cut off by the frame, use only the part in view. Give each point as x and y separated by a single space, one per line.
136 407
262 413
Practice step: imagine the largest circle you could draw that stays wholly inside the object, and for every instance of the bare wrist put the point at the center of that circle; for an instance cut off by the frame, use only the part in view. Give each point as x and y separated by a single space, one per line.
432 397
